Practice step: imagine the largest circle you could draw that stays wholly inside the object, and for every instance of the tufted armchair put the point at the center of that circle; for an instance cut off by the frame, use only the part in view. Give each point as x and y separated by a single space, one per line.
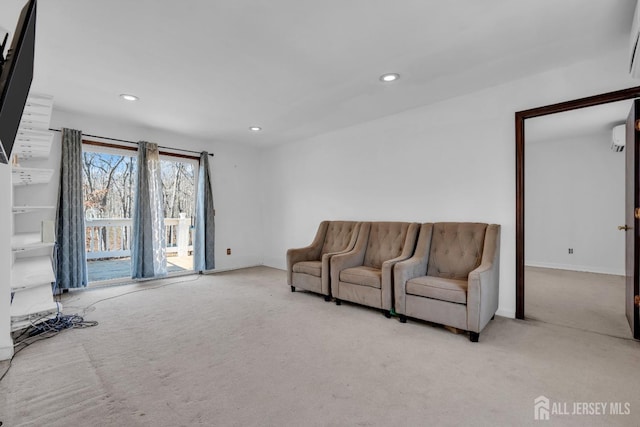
308 267
452 278
364 274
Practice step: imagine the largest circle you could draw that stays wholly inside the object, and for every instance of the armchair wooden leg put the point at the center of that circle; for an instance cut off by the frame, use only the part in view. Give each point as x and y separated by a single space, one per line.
474 336
293 289
403 318
327 298
338 302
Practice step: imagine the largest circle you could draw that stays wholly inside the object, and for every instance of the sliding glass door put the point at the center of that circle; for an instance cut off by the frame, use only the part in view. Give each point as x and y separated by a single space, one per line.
109 189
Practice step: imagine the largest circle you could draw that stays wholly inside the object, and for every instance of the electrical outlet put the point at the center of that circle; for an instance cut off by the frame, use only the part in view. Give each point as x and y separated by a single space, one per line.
228 251
570 250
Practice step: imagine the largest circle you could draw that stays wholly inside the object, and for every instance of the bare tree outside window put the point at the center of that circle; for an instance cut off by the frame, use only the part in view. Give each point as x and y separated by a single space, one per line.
179 194
178 188
109 190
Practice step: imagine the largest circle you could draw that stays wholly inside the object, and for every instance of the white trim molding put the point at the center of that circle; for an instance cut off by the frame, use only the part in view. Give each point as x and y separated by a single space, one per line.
571 267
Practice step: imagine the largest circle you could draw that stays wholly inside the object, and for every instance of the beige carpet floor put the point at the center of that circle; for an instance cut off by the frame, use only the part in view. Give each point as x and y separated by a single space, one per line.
587 301
239 349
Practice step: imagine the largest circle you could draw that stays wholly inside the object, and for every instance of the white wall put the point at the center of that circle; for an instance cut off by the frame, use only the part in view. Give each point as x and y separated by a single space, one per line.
235 182
454 160
575 192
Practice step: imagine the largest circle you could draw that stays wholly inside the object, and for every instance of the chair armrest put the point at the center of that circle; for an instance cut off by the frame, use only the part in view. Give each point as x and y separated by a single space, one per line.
484 283
409 269
326 261
416 266
308 253
326 270
407 250
351 258
387 266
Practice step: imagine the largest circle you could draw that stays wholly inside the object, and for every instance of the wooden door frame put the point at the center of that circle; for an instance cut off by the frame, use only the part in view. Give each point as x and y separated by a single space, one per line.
521 116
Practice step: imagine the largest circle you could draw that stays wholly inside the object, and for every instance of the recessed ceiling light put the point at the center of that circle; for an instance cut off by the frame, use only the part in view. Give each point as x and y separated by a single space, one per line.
255 128
128 97
389 77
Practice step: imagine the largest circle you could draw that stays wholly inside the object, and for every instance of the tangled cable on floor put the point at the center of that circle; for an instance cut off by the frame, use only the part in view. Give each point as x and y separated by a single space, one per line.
47 329
52 327
60 323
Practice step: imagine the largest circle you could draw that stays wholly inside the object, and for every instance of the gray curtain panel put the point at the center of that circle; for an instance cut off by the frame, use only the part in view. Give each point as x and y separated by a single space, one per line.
148 247
205 230
71 258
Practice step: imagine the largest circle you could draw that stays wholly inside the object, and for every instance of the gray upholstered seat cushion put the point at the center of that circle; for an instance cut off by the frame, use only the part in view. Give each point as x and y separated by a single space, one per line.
362 275
314 268
456 249
450 290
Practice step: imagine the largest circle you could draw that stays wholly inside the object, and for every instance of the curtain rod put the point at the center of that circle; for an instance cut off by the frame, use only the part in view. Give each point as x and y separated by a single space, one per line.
133 142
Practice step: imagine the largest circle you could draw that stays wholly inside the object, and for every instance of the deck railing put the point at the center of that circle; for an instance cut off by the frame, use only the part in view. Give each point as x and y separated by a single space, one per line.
111 237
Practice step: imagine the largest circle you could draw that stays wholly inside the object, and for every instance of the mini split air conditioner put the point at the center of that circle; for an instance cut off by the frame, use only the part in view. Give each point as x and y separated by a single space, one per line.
634 44
618 138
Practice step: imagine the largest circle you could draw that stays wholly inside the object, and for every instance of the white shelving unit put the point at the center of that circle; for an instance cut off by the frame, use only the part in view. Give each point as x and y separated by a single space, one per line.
22 242
29 176
28 208
32 273
31 143
31 306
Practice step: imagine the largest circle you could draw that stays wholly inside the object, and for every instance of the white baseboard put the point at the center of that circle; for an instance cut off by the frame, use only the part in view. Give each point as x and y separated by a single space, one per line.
6 352
235 262
222 270
571 267
506 313
275 262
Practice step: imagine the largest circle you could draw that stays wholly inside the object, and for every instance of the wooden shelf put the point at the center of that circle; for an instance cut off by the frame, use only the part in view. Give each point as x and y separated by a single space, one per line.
29 176
31 272
26 209
21 242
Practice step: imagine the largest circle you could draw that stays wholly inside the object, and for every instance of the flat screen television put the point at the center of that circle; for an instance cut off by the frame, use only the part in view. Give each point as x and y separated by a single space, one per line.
15 78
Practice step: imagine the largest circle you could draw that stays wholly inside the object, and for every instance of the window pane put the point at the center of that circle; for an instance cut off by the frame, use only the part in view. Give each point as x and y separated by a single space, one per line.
108 185
178 187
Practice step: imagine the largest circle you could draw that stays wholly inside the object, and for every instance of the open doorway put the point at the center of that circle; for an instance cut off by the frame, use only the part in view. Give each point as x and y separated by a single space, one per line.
632 198
575 201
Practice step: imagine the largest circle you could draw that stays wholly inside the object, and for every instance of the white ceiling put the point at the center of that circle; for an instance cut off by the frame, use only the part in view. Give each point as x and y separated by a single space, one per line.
298 68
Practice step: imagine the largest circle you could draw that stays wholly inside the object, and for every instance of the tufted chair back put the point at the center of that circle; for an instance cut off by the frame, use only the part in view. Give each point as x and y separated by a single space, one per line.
456 249
338 236
386 241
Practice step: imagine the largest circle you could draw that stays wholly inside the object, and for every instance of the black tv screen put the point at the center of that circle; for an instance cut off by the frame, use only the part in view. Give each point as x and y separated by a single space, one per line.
15 78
